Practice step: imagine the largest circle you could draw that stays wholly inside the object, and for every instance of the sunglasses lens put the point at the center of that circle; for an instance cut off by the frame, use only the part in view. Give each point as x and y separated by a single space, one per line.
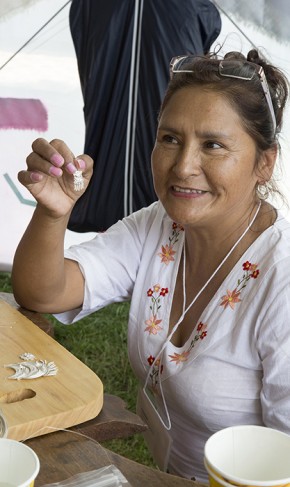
237 69
179 64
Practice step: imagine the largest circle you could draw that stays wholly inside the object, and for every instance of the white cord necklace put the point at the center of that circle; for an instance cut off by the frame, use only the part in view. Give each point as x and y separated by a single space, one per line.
214 273
185 310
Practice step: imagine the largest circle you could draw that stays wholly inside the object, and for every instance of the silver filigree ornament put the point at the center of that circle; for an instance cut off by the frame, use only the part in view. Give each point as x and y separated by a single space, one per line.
27 356
31 368
79 183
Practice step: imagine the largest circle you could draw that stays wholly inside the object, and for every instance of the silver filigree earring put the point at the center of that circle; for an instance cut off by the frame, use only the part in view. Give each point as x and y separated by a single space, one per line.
79 183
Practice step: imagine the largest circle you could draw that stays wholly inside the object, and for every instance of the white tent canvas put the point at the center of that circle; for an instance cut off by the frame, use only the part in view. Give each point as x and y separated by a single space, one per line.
46 70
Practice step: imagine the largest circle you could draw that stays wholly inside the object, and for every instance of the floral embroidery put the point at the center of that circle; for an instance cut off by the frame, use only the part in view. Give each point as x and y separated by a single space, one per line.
233 297
178 358
153 325
156 293
156 370
167 253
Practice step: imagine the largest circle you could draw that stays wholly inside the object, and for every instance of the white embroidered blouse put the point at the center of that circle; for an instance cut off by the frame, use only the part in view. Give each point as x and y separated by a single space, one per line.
235 367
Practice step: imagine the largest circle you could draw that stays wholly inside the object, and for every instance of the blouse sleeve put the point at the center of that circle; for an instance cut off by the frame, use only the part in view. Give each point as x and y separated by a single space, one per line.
274 348
109 263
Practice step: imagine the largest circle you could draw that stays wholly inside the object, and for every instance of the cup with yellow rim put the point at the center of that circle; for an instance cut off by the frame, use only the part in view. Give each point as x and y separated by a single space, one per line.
248 456
19 464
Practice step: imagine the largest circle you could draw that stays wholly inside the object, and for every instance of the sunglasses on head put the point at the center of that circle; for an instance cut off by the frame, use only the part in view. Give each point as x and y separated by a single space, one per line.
230 68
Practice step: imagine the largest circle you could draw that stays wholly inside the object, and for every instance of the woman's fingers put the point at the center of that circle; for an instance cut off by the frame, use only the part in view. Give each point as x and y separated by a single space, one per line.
56 151
55 161
54 157
28 177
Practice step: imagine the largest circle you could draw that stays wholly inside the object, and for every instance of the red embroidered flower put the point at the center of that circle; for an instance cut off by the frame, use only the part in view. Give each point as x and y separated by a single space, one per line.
164 291
255 274
150 292
203 335
150 359
247 266
200 326
176 226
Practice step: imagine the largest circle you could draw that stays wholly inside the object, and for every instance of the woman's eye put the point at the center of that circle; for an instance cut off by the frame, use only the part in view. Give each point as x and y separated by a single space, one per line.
170 139
212 145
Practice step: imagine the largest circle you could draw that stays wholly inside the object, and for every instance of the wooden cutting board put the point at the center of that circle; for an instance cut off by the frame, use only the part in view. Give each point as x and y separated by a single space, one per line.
71 397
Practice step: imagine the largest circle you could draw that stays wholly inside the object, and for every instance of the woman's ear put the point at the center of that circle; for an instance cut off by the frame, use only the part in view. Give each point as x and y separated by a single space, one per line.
266 164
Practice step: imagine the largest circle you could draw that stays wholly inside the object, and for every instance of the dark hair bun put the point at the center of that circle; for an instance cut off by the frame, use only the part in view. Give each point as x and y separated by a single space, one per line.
253 57
235 55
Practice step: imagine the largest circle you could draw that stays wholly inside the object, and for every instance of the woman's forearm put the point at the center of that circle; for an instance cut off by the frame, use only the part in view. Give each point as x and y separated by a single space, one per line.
38 274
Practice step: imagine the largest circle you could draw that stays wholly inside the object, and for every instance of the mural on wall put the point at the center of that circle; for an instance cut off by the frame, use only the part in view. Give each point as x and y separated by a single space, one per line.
23 114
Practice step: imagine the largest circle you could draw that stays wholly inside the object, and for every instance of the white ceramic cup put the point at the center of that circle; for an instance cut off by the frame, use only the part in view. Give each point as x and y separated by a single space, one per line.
19 464
248 456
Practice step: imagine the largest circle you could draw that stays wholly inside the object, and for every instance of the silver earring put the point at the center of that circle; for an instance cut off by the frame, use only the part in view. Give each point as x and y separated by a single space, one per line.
263 190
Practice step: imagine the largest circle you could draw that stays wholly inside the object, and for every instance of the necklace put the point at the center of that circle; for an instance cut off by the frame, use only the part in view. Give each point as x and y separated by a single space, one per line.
185 310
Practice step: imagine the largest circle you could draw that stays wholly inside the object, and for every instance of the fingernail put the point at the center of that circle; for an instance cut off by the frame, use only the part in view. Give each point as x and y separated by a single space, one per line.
81 163
36 177
70 167
57 159
55 171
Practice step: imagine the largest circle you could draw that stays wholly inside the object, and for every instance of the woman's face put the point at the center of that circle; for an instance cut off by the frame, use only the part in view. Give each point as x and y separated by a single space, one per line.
203 160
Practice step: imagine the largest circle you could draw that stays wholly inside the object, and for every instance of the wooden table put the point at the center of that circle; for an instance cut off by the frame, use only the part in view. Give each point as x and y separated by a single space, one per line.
64 454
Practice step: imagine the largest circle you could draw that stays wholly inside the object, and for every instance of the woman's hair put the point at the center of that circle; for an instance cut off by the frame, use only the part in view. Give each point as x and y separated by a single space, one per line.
246 96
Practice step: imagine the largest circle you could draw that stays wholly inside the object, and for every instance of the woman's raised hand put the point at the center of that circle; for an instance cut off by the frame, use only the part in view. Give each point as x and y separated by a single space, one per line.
49 176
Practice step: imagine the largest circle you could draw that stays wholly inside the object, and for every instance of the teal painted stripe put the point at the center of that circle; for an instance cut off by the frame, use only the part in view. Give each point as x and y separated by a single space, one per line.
15 190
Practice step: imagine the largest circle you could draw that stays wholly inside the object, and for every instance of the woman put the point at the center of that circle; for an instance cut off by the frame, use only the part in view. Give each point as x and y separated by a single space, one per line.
205 268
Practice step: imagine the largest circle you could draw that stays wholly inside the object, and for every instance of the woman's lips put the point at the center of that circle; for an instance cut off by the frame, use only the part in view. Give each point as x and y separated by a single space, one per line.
187 192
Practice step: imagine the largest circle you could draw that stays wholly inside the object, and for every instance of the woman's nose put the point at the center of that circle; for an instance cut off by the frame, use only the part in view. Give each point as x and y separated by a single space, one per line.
188 163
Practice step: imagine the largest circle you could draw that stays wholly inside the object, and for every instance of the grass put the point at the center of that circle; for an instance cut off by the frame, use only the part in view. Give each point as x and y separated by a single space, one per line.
100 341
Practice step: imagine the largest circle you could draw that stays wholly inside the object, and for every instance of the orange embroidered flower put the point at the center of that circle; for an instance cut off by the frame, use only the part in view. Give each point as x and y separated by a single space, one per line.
230 299
167 254
153 325
179 357
156 288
